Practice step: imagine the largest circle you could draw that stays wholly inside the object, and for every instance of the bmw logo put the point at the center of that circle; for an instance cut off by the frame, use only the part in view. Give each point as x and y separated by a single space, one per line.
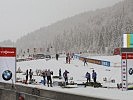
7 75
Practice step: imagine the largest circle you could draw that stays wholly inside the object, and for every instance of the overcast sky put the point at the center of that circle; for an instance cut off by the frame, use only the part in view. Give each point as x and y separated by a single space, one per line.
19 17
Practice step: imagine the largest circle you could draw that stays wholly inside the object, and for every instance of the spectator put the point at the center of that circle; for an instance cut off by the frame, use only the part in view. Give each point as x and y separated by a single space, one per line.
26 76
49 80
94 76
88 77
31 74
44 76
60 73
57 56
66 76
68 58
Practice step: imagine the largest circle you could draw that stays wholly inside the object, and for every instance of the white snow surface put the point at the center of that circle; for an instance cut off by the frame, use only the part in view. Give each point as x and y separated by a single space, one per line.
77 70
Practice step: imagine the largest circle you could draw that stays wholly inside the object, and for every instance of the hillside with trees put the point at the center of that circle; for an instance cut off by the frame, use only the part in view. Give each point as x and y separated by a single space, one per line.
98 31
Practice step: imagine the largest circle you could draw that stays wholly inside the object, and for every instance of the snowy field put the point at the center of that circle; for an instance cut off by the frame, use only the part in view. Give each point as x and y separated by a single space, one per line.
77 71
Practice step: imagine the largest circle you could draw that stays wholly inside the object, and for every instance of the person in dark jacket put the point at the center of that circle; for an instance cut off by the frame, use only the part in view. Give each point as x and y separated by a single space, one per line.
67 58
49 80
88 77
57 56
31 74
44 76
85 61
60 73
66 76
26 76
94 76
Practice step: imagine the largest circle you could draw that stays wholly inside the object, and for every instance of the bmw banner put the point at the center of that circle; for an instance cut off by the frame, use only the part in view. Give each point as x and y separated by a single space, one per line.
127 68
130 70
7 64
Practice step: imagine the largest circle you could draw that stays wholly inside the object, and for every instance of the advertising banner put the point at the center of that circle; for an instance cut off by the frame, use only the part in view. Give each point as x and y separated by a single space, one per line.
7 64
130 69
128 40
127 68
124 71
95 61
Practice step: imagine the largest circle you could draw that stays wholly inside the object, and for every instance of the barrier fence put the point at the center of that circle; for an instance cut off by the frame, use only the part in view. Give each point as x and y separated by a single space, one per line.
94 61
20 92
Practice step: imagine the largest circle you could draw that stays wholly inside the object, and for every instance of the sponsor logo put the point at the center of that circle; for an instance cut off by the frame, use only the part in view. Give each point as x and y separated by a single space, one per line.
7 75
130 71
7 52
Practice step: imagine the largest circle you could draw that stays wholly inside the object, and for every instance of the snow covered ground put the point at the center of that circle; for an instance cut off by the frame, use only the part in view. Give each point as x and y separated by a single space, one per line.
77 70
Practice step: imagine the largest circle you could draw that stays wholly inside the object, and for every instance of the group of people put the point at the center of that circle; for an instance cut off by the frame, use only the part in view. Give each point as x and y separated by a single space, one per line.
88 76
28 74
94 76
47 74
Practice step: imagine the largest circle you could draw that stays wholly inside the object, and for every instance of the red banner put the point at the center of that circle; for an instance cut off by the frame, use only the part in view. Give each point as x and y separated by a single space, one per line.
123 55
129 55
7 52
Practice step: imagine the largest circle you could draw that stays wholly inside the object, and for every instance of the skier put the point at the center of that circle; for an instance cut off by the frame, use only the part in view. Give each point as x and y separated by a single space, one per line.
85 61
66 76
94 76
88 77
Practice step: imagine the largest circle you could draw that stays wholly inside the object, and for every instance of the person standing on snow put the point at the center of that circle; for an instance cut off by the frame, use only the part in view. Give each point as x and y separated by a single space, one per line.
26 76
66 76
67 55
60 73
88 77
85 61
57 56
69 59
44 76
31 74
49 79
94 76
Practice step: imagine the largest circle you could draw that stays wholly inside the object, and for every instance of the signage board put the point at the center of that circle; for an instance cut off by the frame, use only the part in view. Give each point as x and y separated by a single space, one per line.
7 64
95 61
128 40
127 68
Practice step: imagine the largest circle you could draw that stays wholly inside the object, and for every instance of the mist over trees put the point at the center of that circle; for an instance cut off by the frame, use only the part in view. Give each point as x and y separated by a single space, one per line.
96 31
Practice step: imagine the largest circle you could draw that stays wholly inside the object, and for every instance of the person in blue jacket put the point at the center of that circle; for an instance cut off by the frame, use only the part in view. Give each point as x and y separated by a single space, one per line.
88 77
94 76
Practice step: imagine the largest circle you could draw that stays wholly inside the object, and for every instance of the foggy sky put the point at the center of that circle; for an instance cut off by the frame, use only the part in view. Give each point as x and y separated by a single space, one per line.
19 17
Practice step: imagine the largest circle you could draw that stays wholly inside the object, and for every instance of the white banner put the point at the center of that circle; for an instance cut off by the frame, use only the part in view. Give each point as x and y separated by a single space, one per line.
130 69
7 65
